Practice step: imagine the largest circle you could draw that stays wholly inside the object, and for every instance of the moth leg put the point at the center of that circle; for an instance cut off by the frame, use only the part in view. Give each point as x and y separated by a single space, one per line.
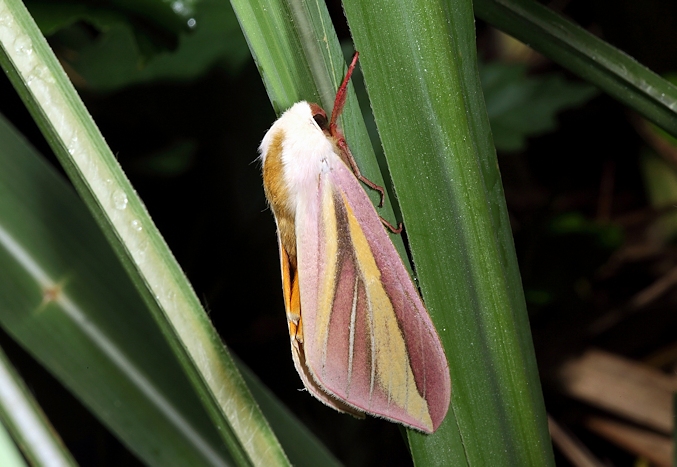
294 313
347 157
291 292
396 230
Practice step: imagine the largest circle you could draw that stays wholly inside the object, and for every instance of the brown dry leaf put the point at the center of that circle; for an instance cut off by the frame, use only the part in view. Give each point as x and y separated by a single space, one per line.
657 448
571 447
623 387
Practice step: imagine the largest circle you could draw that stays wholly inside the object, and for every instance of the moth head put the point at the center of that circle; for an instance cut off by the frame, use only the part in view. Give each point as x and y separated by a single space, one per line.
320 117
302 125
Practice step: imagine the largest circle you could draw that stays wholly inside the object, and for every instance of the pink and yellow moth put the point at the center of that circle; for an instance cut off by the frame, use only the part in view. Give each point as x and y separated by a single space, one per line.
361 338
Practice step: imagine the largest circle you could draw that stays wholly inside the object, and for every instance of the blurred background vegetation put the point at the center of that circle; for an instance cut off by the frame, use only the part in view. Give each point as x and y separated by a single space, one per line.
590 188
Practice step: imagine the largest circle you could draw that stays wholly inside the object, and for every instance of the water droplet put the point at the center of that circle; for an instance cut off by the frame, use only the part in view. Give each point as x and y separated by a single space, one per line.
23 45
73 145
38 86
140 254
120 199
6 30
136 225
39 73
191 23
179 8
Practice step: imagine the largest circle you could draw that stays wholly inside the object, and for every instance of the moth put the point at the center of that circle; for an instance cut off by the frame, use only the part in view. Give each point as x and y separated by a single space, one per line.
361 338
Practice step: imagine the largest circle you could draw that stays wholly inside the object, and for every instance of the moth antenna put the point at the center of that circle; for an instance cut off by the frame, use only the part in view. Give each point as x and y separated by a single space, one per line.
342 94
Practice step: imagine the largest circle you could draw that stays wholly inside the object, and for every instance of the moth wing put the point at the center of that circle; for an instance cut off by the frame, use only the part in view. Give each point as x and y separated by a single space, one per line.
368 339
290 288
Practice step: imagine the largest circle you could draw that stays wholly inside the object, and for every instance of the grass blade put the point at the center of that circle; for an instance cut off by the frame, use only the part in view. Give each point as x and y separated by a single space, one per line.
28 424
9 453
591 58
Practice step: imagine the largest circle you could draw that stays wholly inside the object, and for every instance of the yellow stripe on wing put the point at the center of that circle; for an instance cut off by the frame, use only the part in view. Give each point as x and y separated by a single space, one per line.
393 371
327 283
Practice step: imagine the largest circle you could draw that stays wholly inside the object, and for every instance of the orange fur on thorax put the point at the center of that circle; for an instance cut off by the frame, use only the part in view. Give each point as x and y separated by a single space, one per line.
278 196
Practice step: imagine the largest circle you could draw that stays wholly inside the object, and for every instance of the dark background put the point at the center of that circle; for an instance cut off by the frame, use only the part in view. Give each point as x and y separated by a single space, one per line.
576 196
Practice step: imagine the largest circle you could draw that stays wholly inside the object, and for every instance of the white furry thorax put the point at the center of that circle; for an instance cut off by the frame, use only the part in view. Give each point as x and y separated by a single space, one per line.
306 150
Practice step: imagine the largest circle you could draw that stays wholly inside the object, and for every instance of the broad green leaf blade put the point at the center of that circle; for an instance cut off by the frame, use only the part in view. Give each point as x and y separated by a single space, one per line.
421 74
295 46
95 173
65 297
584 54
22 415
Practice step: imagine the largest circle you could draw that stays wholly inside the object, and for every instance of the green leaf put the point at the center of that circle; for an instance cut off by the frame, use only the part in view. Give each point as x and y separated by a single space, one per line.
65 297
521 106
118 56
29 426
9 454
42 84
52 17
421 74
161 16
591 58
300 445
